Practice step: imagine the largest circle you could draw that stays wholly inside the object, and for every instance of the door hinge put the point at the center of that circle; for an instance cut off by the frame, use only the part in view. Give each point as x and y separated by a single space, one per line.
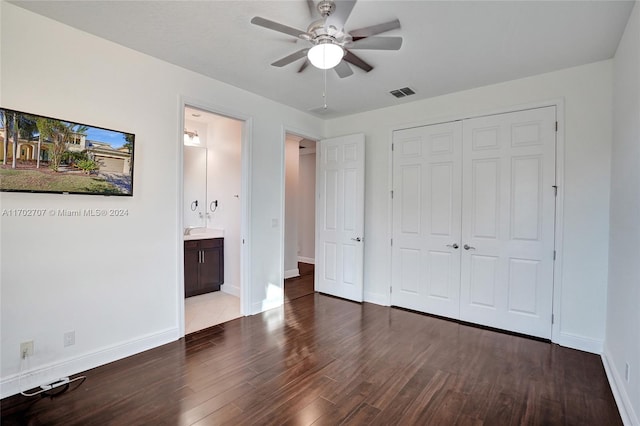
392 145
556 126
553 320
392 194
555 190
390 289
554 255
243 241
392 242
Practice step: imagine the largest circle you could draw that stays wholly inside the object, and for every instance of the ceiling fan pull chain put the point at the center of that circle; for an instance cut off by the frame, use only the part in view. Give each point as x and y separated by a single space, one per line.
324 93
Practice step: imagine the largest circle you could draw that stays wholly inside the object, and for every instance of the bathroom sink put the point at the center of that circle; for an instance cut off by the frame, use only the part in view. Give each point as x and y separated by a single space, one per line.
204 233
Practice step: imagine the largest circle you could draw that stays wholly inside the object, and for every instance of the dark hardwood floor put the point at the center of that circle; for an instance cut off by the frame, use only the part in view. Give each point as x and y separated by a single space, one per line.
299 286
325 361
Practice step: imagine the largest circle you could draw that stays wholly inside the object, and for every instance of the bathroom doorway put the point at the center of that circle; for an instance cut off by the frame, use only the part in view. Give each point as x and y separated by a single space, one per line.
214 216
299 216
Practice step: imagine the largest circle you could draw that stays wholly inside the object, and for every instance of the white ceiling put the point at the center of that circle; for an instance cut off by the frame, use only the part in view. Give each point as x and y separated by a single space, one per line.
448 45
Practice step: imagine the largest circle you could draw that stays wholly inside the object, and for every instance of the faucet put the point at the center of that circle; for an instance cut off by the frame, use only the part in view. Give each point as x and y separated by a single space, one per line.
188 229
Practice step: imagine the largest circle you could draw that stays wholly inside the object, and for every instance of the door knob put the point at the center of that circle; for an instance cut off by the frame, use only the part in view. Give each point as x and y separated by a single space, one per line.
454 245
468 247
358 239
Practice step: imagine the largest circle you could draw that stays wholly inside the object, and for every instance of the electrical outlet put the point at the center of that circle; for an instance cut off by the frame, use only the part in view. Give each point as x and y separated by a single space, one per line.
69 338
26 349
627 372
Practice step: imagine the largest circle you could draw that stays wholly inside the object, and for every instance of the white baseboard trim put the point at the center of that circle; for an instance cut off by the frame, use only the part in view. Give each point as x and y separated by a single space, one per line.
47 373
628 415
569 340
377 298
230 289
581 343
310 260
291 273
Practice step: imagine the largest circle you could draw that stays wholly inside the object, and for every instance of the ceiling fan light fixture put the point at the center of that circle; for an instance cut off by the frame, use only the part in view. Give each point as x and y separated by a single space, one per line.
325 55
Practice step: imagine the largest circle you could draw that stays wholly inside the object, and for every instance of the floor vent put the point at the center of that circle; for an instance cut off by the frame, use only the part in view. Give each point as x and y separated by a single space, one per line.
401 93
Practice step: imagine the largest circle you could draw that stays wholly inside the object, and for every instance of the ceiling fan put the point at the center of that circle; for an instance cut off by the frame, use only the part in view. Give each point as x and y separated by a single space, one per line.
331 46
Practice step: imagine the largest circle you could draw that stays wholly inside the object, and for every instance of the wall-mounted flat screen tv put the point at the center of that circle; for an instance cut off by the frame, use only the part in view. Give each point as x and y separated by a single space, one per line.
44 154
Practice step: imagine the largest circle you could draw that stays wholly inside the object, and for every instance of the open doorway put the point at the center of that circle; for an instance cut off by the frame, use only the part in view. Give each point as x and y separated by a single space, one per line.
299 232
212 218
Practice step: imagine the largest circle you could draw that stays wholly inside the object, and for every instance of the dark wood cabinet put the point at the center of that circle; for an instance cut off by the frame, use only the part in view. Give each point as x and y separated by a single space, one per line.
203 266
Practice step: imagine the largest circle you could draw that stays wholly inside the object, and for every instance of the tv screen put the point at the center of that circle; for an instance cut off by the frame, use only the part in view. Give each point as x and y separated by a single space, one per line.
44 154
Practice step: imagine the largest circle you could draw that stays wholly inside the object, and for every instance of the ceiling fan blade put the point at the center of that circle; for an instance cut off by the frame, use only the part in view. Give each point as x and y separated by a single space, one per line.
353 59
341 14
374 29
377 43
304 65
290 58
343 69
266 23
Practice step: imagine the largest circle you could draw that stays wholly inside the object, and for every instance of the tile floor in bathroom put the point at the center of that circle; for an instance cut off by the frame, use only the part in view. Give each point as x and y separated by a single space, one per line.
209 309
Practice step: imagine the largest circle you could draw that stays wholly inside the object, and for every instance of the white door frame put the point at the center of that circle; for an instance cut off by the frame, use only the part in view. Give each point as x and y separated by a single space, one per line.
288 130
556 335
245 222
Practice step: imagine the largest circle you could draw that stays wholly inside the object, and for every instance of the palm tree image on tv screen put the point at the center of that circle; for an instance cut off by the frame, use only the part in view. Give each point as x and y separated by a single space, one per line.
43 154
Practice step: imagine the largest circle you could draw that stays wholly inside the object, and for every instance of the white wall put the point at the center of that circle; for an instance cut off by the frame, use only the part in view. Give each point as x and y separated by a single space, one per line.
307 206
292 148
586 91
224 181
115 280
622 344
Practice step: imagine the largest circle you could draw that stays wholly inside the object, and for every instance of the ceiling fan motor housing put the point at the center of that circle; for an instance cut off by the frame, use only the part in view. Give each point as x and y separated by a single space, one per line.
318 32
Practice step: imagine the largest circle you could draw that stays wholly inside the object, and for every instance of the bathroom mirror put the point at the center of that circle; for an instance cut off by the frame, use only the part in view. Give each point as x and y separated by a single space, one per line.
195 186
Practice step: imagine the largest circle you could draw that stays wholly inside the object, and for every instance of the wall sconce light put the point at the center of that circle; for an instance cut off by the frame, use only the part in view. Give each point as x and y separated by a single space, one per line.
191 138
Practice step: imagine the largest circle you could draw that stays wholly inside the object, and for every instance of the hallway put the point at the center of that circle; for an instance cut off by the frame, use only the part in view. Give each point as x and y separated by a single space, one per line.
299 286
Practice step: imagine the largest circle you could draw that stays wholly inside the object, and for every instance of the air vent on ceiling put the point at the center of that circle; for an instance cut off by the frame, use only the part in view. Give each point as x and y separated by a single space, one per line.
401 93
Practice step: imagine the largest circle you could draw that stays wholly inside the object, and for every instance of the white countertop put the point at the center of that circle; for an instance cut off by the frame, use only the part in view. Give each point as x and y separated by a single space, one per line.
204 233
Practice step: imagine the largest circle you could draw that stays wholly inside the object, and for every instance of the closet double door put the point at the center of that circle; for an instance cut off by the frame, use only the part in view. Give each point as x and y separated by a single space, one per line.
473 220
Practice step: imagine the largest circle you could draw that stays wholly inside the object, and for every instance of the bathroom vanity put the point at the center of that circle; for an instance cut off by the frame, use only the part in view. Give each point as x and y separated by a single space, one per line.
203 264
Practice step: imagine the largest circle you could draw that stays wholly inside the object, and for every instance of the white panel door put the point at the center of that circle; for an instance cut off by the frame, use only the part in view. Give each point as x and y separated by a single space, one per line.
340 217
508 221
426 218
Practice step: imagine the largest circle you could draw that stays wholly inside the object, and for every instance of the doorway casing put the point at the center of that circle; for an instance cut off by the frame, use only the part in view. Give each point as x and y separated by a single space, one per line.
245 229
286 130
